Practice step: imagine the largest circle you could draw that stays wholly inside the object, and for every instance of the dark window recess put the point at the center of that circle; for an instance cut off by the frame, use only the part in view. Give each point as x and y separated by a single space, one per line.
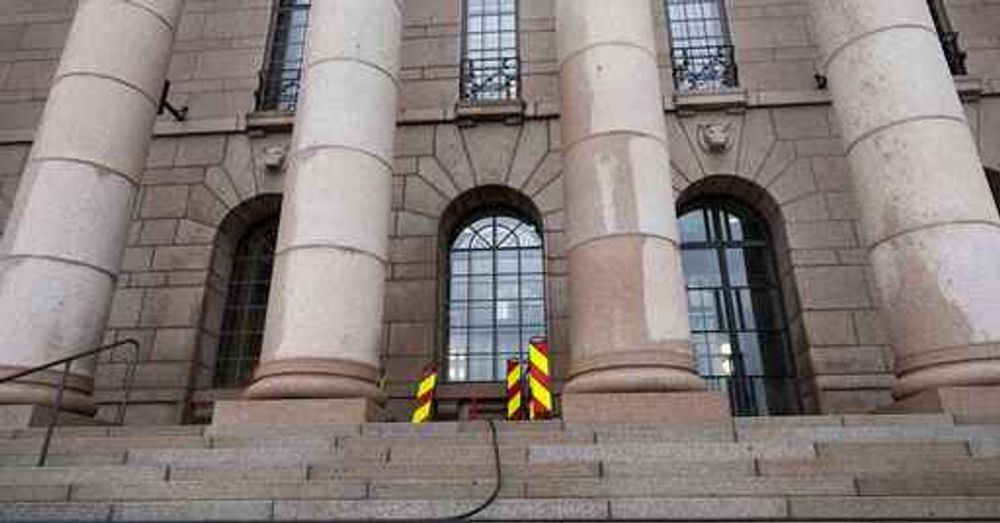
949 38
701 48
491 67
246 305
496 296
738 325
282 73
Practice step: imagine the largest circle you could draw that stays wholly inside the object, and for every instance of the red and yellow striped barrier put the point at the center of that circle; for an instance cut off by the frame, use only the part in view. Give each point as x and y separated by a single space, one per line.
514 385
425 396
539 379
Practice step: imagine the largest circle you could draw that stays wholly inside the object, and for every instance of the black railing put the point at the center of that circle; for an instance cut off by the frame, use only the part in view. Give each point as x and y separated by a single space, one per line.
758 395
67 363
953 53
490 79
705 68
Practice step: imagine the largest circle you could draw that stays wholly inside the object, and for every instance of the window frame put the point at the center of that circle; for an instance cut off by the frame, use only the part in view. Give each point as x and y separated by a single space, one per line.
270 95
726 51
231 369
741 387
464 94
498 370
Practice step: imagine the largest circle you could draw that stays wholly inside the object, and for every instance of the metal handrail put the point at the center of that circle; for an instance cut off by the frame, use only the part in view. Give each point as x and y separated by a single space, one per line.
67 362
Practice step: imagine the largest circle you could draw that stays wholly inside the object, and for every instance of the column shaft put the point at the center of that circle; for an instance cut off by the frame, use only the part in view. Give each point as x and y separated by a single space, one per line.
926 209
324 319
629 330
62 248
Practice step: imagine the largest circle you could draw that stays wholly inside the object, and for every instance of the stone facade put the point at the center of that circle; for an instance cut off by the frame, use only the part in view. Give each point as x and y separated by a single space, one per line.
206 179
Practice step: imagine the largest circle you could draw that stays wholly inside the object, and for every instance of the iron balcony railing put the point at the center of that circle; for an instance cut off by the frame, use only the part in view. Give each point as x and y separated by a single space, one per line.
66 363
705 67
953 53
490 79
758 395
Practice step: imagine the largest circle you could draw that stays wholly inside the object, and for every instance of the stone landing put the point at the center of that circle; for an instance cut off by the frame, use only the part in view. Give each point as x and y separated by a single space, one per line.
293 412
651 407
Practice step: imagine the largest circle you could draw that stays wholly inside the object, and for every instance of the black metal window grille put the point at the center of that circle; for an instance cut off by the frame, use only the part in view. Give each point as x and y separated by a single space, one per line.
491 66
246 305
738 325
282 73
496 296
949 38
701 49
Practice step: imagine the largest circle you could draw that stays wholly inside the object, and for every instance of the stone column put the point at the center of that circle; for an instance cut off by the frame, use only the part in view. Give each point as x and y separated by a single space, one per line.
629 330
324 319
62 248
926 208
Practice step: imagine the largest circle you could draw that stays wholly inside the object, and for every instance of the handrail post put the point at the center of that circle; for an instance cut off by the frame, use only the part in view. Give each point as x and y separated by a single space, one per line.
43 455
128 379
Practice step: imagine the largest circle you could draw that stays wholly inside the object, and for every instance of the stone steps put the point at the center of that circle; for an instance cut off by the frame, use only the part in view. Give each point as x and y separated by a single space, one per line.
850 468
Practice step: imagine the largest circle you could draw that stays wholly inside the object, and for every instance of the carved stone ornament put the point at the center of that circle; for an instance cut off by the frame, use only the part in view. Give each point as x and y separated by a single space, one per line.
274 158
715 138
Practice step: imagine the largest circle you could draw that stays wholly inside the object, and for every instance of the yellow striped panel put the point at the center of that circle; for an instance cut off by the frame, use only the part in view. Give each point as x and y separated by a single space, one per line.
513 406
427 385
540 393
514 376
539 360
422 414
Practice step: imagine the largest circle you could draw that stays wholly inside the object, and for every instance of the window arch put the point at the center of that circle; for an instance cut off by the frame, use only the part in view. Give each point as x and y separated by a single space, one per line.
495 294
738 324
246 305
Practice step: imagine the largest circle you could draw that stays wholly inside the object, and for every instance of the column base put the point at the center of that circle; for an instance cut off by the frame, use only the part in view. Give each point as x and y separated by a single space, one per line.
648 407
967 404
26 416
293 412
311 378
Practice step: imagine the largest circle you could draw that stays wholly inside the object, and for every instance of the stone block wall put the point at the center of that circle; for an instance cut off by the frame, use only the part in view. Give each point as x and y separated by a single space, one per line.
206 174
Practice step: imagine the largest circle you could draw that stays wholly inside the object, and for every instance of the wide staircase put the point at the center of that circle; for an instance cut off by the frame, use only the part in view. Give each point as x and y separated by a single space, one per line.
830 468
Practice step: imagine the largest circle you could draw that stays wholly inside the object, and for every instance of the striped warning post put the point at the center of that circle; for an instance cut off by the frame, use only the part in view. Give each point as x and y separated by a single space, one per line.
514 411
425 396
539 379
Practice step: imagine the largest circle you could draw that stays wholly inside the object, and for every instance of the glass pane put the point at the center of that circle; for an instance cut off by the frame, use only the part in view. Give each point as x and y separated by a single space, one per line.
692 227
701 268
704 310
481 313
508 287
531 261
507 313
507 261
459 288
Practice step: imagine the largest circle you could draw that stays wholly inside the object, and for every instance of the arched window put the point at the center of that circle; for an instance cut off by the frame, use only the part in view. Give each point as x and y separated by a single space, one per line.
496 295
737 320
246 305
